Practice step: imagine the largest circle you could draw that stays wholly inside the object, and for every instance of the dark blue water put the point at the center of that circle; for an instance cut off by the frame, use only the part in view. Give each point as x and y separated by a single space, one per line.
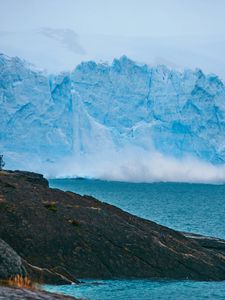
196 208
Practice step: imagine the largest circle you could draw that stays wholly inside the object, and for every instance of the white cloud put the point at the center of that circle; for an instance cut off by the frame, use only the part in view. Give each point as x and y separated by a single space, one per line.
187 33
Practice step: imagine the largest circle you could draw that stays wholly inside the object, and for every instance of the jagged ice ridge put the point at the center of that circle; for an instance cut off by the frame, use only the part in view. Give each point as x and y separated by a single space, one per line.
100 115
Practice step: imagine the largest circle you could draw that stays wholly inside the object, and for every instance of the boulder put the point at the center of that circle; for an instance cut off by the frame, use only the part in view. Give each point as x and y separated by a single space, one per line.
10 262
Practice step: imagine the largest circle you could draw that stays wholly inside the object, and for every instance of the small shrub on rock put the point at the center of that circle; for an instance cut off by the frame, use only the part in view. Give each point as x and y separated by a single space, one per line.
51 206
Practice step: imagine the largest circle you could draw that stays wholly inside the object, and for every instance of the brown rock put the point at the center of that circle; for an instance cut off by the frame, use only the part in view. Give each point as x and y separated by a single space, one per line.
91 239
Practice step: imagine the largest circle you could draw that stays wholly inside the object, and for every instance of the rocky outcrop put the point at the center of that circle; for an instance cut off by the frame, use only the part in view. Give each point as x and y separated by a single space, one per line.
12 265
49 276
10 262
87 238
210 243
7 293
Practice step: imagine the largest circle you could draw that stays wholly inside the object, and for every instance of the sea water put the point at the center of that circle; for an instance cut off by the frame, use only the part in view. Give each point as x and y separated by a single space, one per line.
197 208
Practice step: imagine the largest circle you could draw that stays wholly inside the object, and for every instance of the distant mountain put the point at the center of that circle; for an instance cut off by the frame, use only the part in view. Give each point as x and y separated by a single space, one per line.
98 110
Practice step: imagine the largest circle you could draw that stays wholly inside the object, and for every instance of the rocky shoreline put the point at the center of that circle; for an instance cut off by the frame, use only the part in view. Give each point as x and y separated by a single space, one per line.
54 237
8 293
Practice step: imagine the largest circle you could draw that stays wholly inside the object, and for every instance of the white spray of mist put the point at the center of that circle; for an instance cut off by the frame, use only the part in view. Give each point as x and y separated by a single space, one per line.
137 165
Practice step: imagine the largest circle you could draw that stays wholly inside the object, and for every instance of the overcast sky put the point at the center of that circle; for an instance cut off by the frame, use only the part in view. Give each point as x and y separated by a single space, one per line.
58 34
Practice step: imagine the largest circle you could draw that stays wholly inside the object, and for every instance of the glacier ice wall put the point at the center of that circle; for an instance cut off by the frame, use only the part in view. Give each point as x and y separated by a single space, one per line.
123 121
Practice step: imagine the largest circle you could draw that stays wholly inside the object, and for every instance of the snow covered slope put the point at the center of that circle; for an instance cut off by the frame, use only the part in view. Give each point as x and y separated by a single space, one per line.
100 111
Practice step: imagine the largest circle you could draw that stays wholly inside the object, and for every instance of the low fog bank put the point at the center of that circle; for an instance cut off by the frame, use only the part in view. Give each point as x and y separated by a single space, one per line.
125 165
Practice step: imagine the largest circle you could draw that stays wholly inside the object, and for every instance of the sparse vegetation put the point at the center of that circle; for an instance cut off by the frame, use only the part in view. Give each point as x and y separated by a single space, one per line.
19 281
51 206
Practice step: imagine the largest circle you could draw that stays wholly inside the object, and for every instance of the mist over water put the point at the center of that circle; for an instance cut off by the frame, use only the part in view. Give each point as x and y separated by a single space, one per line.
137 165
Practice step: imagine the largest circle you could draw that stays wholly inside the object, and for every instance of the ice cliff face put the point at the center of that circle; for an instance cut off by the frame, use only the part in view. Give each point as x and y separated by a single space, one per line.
34 118
100 107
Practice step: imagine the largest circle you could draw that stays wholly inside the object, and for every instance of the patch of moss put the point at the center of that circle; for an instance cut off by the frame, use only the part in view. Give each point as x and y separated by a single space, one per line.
51 206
